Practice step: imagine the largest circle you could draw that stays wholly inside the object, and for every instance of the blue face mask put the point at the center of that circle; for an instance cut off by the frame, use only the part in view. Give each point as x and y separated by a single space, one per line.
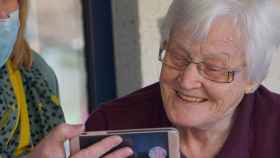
8 34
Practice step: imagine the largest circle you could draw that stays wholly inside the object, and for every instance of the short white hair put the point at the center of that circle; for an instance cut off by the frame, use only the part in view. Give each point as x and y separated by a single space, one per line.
258 20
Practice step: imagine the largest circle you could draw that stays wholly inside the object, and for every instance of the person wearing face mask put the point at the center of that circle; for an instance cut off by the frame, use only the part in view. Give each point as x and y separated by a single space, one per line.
31 119
29 104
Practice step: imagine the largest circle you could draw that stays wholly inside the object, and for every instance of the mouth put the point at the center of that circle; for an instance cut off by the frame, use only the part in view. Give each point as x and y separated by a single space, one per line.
190 99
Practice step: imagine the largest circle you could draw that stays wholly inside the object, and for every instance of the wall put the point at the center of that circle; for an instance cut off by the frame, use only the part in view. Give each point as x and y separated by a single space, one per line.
136 40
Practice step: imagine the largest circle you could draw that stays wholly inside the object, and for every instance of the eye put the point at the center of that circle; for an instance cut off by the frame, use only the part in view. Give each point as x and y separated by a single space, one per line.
179 60
216 61
211 67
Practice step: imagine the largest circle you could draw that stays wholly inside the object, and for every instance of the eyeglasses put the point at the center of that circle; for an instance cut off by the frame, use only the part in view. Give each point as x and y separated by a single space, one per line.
205 68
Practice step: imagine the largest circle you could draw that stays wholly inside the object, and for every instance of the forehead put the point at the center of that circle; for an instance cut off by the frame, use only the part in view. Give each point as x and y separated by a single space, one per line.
223 38
8 5
224 34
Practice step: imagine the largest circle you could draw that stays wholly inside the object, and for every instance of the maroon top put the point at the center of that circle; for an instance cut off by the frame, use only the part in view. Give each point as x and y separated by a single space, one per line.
254 133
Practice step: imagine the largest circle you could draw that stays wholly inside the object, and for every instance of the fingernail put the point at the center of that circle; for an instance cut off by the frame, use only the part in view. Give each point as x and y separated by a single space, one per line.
81 127
129 151
117 139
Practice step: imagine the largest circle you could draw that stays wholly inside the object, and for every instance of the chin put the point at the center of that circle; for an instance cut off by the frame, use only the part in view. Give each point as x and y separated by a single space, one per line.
188 118
185 122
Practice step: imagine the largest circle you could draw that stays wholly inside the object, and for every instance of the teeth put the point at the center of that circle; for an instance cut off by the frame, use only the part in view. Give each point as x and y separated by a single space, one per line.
191 99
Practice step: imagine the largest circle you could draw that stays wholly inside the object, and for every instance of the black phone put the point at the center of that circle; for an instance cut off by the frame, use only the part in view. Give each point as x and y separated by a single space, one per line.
146 143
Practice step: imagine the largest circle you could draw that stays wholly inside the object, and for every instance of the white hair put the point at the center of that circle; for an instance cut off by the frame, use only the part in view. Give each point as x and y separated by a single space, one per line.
258 20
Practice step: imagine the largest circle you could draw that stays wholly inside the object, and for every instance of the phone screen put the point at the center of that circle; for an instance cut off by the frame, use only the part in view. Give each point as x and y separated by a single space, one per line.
144 145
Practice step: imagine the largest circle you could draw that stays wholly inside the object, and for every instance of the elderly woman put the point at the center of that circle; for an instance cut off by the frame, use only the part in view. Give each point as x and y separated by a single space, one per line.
29 104
215 54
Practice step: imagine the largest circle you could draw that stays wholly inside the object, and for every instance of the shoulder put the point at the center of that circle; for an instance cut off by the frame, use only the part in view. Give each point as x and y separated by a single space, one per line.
265 121
267 102
266 113
137 99
39 63
47 72
140 109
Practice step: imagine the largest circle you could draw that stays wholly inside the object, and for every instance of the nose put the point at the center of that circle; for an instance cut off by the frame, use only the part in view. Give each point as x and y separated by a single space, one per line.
3 14
190 78
8 6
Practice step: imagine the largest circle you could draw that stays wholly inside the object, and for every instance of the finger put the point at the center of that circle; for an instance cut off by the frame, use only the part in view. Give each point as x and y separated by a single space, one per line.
100 148
121 153
66 131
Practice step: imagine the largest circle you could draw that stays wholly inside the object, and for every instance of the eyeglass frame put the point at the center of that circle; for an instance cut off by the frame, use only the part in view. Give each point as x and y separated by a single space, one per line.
162 54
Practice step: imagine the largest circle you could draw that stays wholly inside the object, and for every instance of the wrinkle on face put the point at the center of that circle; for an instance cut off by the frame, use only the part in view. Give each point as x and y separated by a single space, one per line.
226 40
225 46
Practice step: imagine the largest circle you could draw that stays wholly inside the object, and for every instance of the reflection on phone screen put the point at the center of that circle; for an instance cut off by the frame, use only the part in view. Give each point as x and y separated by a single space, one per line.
148 145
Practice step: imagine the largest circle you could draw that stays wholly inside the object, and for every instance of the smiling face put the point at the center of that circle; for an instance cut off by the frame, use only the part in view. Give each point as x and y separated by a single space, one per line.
190 99
7 6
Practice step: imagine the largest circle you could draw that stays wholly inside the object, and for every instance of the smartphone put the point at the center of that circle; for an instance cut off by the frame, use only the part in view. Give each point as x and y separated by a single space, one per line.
146 143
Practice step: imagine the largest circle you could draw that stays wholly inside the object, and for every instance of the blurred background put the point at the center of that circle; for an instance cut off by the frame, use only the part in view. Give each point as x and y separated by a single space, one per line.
101 50
55 30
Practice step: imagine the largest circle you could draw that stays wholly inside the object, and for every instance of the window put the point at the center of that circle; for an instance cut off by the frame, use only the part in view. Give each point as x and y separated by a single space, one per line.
55 31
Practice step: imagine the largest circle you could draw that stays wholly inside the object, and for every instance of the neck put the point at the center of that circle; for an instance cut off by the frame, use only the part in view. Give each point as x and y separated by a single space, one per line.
205 142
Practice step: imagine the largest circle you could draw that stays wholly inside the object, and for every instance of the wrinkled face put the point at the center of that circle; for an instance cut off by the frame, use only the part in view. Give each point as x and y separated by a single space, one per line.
191 100
7 6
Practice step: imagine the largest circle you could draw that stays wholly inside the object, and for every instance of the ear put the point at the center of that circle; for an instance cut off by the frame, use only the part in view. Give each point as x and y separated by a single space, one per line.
164 44
251 86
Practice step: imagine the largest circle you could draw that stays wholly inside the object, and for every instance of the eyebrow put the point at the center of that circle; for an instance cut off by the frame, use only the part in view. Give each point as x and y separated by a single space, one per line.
176 46
188 52
217 55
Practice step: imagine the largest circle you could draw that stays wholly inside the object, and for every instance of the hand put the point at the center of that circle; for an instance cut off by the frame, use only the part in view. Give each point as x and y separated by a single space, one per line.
52 146
100 148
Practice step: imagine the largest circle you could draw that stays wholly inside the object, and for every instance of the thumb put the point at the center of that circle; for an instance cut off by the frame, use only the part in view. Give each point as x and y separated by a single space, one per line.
66 131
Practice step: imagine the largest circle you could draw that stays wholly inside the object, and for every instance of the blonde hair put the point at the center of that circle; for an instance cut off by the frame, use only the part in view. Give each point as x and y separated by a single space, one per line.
22 53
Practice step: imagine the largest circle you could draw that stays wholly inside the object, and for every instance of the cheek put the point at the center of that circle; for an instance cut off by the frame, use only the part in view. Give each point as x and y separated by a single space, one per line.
225 99
168 75
166 84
